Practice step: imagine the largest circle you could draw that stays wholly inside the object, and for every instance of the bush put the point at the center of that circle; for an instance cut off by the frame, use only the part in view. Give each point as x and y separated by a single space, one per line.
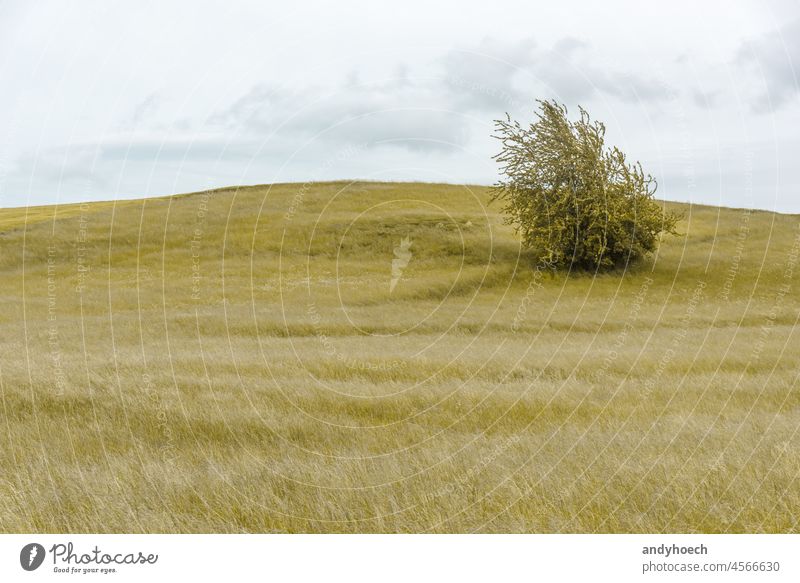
575 200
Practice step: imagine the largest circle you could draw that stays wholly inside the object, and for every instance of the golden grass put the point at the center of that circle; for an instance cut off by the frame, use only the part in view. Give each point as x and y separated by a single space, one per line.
234 361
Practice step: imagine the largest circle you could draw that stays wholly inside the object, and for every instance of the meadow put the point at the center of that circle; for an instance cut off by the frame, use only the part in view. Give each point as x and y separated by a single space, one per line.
385 357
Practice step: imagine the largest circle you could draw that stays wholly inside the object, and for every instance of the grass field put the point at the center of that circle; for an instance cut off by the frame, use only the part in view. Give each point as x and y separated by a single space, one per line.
361 357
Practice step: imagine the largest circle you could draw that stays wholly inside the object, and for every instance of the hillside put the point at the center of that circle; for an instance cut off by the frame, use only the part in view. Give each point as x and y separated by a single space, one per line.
358 357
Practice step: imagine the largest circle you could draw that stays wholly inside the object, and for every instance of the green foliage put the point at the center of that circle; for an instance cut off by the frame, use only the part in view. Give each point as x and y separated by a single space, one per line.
571 197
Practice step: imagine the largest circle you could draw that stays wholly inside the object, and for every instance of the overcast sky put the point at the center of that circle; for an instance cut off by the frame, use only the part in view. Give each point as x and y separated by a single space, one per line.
105 100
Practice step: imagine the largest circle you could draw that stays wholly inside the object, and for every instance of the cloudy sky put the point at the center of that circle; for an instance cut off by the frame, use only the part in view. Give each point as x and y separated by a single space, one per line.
106 100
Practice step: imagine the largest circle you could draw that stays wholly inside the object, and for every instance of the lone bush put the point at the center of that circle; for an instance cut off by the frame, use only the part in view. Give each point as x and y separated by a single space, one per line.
575 200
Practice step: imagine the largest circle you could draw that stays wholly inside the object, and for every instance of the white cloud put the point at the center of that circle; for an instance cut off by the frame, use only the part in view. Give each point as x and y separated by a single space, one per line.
773 61
173 97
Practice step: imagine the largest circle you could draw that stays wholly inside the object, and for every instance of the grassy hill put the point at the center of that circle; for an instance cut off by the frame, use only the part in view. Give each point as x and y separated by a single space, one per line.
358 357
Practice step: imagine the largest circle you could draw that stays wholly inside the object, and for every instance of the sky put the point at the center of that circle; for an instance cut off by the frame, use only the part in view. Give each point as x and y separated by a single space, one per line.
112 100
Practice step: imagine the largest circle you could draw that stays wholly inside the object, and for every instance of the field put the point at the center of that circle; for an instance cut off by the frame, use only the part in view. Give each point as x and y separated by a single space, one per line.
383 357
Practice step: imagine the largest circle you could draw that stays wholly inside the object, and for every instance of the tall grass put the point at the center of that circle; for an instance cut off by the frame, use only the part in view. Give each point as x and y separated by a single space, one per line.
234 361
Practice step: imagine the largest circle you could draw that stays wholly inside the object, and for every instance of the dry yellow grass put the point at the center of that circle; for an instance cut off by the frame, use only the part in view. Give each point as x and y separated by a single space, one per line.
235 361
